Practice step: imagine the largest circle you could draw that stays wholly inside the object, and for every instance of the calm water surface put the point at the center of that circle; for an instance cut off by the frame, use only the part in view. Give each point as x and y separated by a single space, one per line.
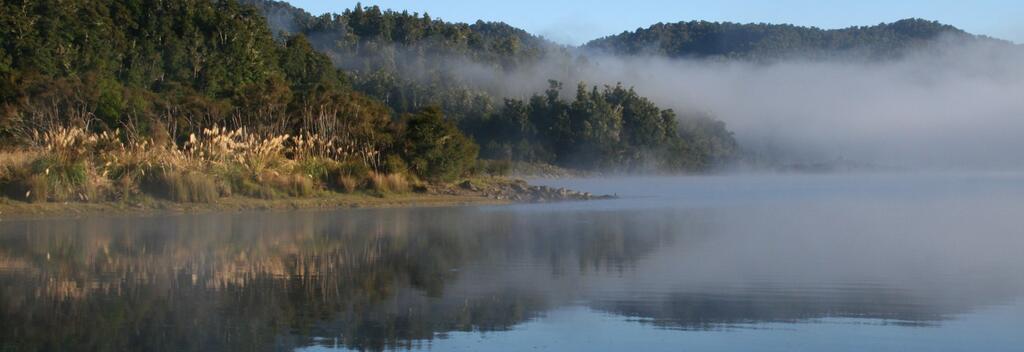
911 262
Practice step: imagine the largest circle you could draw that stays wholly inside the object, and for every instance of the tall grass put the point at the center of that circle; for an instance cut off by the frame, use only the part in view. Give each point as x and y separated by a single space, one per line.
71 164
182 186
58 169
387 183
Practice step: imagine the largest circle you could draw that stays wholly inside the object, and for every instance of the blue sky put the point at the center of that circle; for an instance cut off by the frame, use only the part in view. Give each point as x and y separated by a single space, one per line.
576 21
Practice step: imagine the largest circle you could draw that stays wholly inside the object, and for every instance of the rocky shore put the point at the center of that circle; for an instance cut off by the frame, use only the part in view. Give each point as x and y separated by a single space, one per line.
516 191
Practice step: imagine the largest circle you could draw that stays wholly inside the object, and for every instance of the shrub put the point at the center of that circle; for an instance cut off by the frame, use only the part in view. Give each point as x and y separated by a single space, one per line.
347 176
65 180
263 154
220 146
395 165
258 190
346 183
181 186
124 187
236 179
354 169
55 174
292 185
66 146
317 168
387 183
125 165
434 147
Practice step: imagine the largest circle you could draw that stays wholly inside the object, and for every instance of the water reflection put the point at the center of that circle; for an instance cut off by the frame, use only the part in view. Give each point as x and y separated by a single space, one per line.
376 278
381 279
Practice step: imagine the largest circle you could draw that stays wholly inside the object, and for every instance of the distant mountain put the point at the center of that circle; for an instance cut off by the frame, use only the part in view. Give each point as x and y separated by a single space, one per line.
726 40
370 38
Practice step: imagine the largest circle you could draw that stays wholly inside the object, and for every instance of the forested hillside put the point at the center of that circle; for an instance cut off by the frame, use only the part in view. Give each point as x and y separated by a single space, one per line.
726 40
194 100
406 59
188 64
152 67
410 61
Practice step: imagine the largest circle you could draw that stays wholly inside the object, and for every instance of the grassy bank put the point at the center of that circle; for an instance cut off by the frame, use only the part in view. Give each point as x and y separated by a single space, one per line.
71 170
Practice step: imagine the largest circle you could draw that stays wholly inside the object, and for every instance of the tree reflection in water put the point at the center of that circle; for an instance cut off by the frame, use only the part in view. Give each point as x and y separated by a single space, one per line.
375 279
372 279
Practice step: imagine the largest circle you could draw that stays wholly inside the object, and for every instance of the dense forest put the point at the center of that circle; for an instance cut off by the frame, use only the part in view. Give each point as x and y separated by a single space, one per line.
191 101
185 64
156 68
409 61
760 41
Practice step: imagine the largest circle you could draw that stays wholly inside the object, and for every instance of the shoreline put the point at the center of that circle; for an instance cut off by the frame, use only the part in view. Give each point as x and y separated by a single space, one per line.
15 210
479 191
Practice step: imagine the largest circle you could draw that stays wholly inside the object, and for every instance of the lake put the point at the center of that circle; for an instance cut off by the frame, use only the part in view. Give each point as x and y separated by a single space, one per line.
873 262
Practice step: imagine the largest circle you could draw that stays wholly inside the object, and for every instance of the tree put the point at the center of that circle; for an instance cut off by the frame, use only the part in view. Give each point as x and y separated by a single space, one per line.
434 147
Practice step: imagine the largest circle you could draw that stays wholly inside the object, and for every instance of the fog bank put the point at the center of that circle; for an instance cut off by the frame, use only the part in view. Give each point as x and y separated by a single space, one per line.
949 105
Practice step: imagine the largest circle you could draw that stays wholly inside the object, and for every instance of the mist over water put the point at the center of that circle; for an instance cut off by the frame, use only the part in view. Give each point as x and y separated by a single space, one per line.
926 258
875 261
948 105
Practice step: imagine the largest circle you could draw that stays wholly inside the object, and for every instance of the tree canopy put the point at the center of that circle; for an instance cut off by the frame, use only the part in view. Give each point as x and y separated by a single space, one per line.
761 41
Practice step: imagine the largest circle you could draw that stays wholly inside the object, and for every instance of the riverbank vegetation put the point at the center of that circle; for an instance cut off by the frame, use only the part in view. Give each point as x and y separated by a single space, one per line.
72 164
193 101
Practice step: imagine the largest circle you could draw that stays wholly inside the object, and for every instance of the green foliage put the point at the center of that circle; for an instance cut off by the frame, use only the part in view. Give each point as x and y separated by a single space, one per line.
69 173
405 59
307 70
356 170
190 64
613 128
395 165
290 185
369 38
175 68
434 147
59 180
317 168
760 41
348 177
